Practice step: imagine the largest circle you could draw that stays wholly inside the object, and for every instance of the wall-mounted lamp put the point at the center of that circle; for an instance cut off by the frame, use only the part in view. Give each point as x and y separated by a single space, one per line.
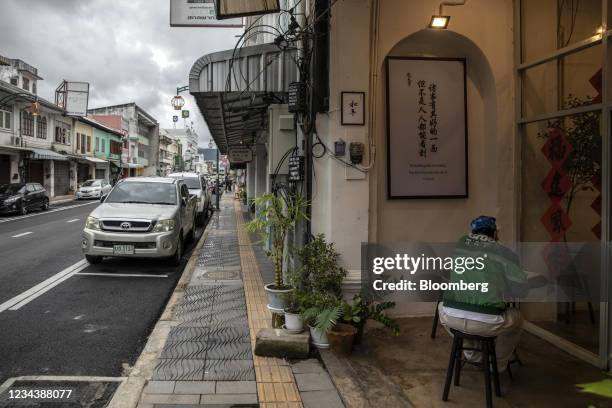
440 21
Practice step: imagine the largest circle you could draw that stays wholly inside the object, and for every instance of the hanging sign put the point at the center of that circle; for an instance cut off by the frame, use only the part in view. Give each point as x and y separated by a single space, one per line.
240 155
198 13
426 128
185 114
175 118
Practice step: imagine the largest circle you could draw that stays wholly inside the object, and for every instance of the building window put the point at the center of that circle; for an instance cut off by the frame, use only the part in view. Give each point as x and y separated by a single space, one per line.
34 87
27 124
115 147
5 120
25 84
41 127
15 81
97 144
88 143
62 134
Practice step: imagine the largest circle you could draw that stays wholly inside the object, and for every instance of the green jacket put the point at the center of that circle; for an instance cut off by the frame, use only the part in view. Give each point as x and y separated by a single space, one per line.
501 271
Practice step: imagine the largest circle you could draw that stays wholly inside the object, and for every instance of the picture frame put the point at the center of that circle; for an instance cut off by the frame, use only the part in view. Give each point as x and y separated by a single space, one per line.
414 171
352 108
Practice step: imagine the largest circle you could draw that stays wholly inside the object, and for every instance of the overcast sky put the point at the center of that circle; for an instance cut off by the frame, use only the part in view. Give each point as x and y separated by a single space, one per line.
125 49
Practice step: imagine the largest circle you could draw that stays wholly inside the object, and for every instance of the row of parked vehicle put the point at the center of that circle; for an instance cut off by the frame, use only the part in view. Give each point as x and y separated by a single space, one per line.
149 217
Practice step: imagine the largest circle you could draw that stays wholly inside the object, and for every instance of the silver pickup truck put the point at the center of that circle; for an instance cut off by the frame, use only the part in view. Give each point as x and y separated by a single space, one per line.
141 217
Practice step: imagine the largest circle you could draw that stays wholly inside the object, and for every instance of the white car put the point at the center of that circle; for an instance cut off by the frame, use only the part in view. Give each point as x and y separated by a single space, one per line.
197 187
93 189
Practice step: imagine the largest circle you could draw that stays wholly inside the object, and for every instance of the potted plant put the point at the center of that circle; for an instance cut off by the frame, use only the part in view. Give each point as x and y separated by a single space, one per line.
293 319
359 311
274 219
341 338
322 313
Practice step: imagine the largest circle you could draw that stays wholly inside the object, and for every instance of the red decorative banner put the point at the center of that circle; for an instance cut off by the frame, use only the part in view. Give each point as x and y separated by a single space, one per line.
556 222
556 184
556 149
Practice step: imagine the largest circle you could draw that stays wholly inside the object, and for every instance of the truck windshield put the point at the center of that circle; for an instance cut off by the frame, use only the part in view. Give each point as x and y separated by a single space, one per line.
143 193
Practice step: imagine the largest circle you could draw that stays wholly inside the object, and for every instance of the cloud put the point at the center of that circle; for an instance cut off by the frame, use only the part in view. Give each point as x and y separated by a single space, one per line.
126 50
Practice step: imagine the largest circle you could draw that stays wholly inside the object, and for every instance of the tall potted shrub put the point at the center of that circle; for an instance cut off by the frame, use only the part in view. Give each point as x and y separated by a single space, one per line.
275 217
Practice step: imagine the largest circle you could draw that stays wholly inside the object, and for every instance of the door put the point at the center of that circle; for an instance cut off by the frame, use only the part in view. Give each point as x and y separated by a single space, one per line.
100 174
61 177
5 169
31 197
82 172
35 172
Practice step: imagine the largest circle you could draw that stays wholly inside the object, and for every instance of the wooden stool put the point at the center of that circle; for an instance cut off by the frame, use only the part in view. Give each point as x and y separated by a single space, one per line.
489 363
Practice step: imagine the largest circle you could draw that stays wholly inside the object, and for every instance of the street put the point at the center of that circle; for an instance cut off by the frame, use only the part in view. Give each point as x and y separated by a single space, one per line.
61 316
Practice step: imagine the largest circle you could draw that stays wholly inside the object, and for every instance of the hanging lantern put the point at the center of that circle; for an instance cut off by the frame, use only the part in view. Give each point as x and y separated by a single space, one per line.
178 102
35 108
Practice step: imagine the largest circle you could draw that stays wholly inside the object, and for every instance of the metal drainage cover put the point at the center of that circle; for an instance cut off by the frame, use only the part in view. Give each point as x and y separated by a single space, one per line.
58 394
221 275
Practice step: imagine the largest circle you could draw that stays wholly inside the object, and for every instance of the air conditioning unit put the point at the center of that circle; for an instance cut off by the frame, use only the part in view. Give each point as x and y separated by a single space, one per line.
15 141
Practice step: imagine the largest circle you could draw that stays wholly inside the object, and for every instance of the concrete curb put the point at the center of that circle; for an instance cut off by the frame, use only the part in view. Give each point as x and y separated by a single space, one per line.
129 392
67 200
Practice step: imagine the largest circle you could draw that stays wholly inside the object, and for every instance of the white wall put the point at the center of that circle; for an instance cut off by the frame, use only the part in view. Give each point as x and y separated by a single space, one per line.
340 196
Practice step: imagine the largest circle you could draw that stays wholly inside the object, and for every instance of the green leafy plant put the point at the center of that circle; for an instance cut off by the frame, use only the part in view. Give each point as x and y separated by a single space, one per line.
275 217
321 310
319 269
358 311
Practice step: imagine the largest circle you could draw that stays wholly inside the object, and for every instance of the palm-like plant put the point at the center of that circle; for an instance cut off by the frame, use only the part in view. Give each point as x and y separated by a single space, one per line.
275 217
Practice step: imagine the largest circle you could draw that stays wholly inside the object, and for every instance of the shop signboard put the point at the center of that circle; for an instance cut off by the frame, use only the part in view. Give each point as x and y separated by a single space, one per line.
198 13
426 128
240 155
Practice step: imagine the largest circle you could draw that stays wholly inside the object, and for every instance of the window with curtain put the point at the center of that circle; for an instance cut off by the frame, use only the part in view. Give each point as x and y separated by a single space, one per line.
27 124
41 127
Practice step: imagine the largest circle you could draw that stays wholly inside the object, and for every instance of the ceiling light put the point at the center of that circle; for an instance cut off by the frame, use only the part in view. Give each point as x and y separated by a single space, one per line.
439 22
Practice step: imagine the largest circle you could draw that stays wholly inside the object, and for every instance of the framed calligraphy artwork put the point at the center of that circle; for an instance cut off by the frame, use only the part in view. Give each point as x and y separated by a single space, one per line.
427 133
353 108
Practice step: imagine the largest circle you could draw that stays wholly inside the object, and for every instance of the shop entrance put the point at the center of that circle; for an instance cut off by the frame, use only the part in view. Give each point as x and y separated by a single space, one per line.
5 169
61 177
36 172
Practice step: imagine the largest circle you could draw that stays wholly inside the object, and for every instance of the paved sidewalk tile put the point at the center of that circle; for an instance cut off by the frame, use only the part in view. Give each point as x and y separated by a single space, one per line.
194 387
170 399
236 387
229 399
319 399
314 382
159 387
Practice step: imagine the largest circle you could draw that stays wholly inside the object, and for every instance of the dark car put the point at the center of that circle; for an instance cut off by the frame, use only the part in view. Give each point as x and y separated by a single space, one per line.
23 197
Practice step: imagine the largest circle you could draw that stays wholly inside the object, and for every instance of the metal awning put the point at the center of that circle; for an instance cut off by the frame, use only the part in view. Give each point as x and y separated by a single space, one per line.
235 107
132 166
44 154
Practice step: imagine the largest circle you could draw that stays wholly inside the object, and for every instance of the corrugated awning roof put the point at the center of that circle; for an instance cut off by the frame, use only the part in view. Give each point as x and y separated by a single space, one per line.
235 107
44 154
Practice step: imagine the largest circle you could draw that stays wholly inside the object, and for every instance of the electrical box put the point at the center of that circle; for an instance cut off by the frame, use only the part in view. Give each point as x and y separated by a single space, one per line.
282 138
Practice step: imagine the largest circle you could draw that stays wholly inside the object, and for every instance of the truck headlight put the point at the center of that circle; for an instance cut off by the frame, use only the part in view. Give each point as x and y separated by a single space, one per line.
164 226
92 223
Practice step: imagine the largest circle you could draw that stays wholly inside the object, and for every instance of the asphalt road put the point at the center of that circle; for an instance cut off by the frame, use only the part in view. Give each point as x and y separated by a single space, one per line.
73 323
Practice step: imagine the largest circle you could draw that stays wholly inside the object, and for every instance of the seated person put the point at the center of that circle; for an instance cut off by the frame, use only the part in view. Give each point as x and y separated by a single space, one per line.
485 313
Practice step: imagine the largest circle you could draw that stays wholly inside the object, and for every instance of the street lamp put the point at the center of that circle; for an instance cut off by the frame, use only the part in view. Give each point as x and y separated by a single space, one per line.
178 102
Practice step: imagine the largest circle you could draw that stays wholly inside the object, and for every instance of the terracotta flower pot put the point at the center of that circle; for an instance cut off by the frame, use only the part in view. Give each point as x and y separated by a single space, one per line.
341 339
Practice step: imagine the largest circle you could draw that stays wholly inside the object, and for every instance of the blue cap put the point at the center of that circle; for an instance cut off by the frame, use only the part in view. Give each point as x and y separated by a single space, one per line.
483 224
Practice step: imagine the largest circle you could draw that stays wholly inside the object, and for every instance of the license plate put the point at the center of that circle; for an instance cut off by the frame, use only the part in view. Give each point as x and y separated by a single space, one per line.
123 249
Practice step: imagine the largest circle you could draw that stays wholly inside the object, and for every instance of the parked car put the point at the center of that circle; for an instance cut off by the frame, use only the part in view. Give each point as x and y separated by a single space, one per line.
23 197
93 189
141 217
197 186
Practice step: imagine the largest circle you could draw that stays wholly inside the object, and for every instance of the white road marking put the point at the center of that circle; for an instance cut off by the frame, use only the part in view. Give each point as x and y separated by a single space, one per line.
122 275
46 212
23 234
76 219
43 287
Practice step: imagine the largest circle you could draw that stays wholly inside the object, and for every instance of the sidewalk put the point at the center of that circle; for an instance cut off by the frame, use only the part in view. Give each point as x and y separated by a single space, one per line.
207 357
62 199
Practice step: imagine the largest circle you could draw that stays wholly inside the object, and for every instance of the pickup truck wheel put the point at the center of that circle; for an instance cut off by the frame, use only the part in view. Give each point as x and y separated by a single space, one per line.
45 205
178 254
23 210
93 259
